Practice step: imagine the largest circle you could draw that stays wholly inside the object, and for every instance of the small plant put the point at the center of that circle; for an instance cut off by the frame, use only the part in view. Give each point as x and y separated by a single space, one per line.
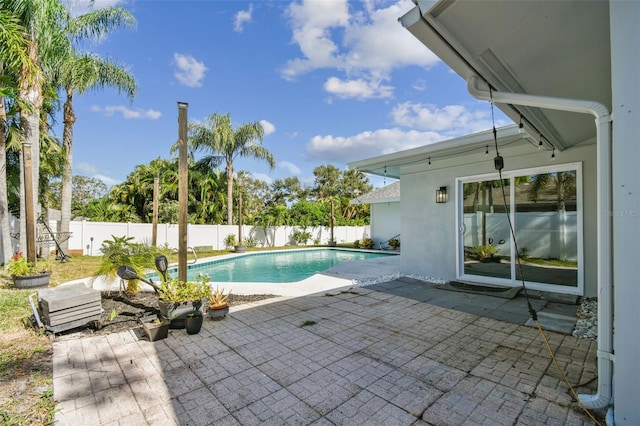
230 240
217 298
367 243
300 237
250 242
524 253
485 252
394 243
18 266
176 291
356 244
123 251
113 314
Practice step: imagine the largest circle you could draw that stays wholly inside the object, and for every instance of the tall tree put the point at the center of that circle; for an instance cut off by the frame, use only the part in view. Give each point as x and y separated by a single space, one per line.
80 72
44 23
222 143
14 57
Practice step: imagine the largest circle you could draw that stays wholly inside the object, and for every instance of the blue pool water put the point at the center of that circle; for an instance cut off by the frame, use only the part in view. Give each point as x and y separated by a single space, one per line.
274 267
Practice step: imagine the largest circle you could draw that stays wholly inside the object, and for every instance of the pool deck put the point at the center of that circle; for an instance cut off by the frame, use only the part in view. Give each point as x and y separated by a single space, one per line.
383 354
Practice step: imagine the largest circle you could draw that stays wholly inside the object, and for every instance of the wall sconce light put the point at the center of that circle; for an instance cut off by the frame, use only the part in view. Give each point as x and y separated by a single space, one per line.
441 195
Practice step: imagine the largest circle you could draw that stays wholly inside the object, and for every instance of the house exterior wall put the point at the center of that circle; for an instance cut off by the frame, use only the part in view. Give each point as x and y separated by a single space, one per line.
625 68
429 230
385 221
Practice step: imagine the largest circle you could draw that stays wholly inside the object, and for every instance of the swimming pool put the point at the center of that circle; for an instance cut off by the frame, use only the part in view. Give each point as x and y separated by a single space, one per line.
275 267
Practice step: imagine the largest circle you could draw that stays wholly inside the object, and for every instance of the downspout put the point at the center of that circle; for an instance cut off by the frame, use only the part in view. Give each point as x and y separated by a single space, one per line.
603 139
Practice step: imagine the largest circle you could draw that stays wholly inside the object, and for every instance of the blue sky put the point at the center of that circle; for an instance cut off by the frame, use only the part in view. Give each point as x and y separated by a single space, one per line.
331 81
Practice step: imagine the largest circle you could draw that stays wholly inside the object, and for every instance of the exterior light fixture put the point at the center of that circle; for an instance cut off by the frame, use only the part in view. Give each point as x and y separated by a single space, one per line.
441 195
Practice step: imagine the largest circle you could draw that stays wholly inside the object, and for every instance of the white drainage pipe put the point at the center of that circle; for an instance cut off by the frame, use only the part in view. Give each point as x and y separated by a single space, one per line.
603 138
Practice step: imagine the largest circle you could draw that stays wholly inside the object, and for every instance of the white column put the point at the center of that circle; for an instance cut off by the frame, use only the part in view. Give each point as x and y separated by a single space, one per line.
625 77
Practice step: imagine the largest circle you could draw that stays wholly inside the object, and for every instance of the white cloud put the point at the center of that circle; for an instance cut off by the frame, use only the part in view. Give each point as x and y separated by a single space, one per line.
86 169
427 124
452 120
311 22
107 180
127 113
241 18
190 71
290 167
263 177
80 7
364 42
268 127
367 144
359 89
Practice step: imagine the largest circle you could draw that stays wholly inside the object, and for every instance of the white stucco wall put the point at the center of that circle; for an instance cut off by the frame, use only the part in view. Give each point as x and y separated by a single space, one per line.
429 229
385 221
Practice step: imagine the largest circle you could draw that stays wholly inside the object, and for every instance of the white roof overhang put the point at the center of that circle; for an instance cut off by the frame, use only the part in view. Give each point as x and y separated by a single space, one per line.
528 47
389 165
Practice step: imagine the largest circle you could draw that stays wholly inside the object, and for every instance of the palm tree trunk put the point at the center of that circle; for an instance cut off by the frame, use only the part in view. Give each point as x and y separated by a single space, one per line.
67 176
5 229
229 193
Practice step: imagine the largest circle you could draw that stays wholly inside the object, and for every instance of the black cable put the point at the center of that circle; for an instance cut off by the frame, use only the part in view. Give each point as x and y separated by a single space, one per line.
499 163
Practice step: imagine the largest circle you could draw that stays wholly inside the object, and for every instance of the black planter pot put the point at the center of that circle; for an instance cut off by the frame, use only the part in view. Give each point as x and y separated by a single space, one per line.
193 322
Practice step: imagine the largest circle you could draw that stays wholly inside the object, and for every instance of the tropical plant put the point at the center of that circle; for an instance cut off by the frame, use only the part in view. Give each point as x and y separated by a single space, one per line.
230 240
394 243
222 143
367 243
217 298
19 266
564 182
44 24
485 251
121 251
300 236
80 71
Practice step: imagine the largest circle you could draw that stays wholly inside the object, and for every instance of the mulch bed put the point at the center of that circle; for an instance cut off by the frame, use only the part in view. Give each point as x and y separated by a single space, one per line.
122 311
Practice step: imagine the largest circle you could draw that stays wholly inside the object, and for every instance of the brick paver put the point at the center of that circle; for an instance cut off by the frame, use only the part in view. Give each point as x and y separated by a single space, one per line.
370 358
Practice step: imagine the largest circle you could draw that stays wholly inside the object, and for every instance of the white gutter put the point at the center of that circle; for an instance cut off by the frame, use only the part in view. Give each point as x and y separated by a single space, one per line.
603 138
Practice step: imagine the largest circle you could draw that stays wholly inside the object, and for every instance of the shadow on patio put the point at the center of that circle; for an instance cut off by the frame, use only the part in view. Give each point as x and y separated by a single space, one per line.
364 357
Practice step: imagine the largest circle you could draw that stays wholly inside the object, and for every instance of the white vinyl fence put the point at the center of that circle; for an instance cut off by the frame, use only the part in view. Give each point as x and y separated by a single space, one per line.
88 236
547 235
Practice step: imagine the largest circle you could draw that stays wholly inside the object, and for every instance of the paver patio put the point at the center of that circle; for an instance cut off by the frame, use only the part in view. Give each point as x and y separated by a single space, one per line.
370 358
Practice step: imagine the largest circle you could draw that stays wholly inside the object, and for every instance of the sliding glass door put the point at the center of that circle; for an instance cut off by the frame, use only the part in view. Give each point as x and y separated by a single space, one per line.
544 208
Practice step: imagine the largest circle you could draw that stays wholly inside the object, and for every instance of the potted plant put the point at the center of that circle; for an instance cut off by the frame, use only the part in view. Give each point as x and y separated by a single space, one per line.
176 299
28 274
218 306
155 327
193 322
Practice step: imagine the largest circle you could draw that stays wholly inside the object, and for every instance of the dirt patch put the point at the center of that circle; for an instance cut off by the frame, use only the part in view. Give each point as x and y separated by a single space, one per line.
122 311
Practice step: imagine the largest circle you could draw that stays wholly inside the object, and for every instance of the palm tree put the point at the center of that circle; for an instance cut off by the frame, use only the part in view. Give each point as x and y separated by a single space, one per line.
222 143
43 22
564 182
14 57
80 72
